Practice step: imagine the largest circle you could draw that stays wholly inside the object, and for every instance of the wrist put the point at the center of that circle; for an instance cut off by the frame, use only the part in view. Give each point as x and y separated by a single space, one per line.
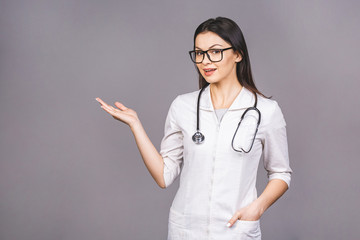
260 205
135 125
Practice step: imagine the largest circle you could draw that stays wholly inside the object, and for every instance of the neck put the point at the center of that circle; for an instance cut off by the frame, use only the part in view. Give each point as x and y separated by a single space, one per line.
224 93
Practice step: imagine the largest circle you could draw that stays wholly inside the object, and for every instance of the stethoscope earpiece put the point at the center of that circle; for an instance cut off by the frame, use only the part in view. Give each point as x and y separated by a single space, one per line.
198 137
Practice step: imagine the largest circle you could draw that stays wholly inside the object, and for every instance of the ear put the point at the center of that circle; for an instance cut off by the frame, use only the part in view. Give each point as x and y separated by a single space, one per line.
238 57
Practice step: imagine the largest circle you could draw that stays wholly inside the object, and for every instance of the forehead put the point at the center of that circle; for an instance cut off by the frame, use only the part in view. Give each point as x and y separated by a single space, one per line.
205 40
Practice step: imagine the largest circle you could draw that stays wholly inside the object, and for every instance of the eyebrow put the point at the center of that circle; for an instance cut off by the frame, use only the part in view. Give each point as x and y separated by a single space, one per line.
210 46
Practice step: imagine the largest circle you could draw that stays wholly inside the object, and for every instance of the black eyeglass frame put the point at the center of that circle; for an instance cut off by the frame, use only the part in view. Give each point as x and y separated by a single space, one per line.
202 52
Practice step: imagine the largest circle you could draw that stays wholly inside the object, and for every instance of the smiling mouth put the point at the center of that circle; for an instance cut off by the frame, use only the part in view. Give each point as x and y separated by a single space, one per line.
209 70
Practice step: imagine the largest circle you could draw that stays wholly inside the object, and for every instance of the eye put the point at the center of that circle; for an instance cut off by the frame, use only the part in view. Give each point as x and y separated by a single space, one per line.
198 53
215 51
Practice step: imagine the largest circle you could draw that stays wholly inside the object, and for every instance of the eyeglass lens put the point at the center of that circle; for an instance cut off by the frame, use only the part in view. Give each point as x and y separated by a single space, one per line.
215 55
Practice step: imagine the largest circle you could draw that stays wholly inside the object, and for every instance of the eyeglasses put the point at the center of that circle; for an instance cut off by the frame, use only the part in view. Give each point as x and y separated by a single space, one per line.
214 55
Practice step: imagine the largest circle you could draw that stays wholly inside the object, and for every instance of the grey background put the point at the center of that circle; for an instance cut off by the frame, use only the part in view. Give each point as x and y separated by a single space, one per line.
68 170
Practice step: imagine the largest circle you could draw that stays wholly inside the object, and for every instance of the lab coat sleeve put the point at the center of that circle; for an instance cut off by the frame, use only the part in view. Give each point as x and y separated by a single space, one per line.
275 152
171 148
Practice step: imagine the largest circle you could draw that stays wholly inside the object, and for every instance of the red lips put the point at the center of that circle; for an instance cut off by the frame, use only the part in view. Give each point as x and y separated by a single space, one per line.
209 71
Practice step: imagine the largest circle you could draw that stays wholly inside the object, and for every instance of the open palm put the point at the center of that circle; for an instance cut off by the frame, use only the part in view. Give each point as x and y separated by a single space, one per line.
121 113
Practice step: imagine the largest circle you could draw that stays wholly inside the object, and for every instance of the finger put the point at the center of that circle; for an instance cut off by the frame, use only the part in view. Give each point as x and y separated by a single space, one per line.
112 108
109 110
101 101
108 106
233 220
120 106
105 104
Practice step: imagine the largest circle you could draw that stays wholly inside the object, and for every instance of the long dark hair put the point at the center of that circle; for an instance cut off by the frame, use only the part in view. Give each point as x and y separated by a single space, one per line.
228 30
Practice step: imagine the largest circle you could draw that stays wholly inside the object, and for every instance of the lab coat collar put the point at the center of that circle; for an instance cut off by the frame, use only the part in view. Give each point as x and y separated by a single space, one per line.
243 100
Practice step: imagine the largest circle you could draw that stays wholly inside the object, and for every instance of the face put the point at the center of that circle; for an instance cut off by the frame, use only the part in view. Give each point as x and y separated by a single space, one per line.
214 72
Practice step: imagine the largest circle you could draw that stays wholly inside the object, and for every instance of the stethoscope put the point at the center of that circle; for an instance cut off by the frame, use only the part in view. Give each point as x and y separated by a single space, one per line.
199 138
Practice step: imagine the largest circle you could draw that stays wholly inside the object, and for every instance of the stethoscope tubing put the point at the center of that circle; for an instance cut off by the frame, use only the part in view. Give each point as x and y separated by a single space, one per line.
199 138
257 127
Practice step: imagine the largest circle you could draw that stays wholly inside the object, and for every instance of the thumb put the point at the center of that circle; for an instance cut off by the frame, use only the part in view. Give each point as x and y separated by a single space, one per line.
233 219
120 106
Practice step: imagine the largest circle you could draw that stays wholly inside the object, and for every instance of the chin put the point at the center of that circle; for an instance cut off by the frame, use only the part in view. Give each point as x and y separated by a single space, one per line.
209 80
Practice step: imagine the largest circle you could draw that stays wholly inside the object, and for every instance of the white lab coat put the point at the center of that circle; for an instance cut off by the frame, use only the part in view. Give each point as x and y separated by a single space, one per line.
215 180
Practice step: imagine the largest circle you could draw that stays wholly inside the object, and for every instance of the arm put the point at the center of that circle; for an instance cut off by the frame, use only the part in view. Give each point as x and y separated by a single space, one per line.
276 163
151 157
273 191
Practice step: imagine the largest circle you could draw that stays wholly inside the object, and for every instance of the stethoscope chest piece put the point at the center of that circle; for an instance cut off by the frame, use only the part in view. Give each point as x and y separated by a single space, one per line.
198 137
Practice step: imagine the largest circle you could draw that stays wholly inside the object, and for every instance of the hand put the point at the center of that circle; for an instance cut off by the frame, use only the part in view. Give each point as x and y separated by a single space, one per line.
251 212
123 114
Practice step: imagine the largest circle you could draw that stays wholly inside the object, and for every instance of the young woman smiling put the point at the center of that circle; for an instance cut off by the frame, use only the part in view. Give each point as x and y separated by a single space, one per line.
234 125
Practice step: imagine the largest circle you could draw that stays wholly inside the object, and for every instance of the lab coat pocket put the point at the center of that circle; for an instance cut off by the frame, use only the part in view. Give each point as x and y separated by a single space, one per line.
247 230
177 226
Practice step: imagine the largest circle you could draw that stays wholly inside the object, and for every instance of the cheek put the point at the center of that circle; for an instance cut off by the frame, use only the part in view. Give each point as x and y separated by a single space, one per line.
225 67
229 66
197 67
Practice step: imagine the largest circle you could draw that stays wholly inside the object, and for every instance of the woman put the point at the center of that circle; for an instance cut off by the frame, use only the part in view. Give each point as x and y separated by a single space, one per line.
217 196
